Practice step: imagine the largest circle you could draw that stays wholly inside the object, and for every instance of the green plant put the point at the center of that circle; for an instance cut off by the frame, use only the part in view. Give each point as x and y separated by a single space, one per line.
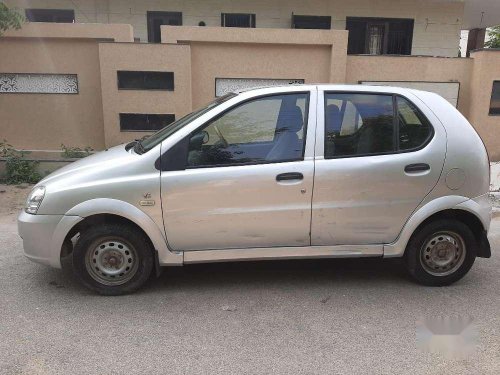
493 37
9 18
75 152
18 169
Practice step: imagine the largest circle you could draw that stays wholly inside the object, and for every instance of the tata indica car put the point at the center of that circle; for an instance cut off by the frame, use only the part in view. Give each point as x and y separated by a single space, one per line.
305 171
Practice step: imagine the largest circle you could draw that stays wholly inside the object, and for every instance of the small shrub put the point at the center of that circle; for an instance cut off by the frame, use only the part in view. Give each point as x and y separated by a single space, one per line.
75 152
18 169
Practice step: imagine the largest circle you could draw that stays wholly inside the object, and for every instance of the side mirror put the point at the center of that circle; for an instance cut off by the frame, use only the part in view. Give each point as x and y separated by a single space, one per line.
198 140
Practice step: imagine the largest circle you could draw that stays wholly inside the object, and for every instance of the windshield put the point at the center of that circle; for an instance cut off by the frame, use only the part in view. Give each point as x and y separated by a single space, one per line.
148 143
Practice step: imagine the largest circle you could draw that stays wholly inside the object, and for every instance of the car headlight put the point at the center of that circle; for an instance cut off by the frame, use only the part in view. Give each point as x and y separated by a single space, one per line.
34 200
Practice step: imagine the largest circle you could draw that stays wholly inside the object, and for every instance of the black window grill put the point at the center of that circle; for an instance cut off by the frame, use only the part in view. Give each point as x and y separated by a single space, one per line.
140 122
237 20
50 15
142 80
311 22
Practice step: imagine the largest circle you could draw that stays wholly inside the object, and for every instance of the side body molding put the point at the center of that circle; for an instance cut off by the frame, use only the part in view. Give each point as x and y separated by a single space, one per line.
397 248
132 213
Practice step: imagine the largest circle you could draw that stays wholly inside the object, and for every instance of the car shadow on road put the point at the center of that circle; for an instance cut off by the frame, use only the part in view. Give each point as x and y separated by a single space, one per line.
276 274
303 272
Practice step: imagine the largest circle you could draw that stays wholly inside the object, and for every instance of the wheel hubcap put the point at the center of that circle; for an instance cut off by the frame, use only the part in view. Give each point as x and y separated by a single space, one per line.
443 253
111 261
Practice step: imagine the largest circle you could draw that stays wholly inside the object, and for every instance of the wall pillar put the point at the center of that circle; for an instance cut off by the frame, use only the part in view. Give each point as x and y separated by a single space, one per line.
338 59
475 40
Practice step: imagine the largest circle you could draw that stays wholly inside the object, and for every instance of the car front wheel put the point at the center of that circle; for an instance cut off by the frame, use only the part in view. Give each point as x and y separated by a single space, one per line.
441 252
113 259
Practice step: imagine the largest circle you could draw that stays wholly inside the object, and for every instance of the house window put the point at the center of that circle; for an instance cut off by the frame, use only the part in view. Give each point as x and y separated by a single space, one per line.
379 36
495 99
156 19
311 22
137 80
50 15
237 20
141 122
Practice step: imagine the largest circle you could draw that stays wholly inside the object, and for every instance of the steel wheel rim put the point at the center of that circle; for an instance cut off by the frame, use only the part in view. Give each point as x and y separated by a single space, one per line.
443 253
111 261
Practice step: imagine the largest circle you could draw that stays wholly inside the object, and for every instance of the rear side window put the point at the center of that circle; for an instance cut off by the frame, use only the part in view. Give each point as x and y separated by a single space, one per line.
414 128
372 124
358 124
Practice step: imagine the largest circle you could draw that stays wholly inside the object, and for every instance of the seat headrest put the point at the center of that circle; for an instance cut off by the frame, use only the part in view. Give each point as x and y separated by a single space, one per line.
332 118
290 120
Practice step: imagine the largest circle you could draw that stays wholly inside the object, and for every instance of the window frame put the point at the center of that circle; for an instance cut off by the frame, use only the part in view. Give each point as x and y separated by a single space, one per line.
27 11
145 72
150 15
186 139
490 113
395 124
251 17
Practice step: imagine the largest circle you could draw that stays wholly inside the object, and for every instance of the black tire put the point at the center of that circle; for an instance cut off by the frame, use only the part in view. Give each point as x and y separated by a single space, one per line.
415 252
124 235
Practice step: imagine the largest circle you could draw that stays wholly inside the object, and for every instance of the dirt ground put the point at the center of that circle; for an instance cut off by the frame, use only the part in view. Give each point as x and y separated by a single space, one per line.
12 198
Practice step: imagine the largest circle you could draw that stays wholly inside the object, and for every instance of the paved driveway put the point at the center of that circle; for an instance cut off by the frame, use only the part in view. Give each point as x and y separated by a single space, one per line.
309 317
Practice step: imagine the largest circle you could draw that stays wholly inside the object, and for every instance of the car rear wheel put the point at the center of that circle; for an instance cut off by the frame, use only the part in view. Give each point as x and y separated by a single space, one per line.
441 252
113 259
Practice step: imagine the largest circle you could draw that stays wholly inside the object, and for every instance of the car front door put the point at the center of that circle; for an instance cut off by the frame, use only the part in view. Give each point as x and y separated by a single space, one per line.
377 156
248 176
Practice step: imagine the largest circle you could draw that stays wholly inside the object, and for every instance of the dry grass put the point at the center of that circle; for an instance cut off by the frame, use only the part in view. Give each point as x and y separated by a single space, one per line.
12 198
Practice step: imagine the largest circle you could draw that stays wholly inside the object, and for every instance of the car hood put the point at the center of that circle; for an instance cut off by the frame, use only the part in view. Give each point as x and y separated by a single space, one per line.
91 165
114 174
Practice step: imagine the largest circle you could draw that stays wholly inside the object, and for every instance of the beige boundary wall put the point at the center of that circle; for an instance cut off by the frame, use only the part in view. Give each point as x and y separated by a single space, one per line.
198 56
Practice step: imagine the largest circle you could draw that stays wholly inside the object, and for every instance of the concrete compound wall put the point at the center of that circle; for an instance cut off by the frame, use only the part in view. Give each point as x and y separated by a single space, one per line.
44 121
149 57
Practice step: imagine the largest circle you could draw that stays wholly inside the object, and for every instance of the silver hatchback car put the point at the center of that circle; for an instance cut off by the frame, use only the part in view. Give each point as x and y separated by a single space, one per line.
309 171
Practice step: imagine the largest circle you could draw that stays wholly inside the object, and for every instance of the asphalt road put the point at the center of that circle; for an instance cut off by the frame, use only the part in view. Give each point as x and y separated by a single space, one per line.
290 317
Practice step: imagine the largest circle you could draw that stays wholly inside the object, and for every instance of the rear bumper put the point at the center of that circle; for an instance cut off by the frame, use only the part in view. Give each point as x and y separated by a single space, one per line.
43 236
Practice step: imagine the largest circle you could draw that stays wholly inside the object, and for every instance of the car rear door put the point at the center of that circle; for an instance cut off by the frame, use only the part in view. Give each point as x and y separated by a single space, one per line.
377 156
248 177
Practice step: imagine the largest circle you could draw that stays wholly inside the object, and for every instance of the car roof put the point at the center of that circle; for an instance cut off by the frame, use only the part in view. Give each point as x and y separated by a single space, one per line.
327 86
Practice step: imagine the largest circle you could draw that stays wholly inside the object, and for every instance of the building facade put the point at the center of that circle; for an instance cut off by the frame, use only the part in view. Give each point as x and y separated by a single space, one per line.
425 27
99 73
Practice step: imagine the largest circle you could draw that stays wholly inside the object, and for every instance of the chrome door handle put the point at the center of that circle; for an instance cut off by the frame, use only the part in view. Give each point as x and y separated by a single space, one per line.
289 176
418 167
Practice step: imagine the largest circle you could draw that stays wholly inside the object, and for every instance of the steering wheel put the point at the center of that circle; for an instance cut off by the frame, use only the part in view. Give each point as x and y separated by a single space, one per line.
223 140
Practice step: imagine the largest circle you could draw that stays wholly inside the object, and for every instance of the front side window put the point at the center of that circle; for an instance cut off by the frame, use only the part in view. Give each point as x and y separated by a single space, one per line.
263 130
358 124
152 141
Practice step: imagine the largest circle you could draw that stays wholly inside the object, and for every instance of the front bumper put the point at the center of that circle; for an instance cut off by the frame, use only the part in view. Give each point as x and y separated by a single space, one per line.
43 236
